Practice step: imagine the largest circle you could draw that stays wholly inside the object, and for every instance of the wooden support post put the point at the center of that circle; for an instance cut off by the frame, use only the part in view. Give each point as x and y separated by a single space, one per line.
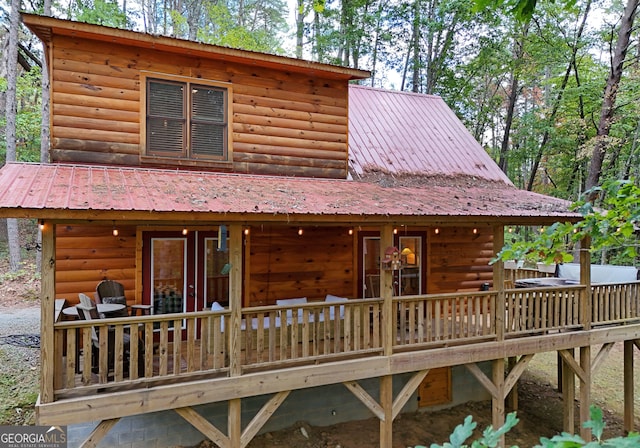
498 282
497 401
204 426
628 387
559 372
512 396
567 379
98 433
585 390
386 293
386 401
263 416
235 298
585 279
47 312
234 420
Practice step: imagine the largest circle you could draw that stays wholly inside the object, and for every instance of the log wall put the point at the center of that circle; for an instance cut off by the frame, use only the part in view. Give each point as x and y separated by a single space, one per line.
86 255
459 259
281 263
285 265
283 123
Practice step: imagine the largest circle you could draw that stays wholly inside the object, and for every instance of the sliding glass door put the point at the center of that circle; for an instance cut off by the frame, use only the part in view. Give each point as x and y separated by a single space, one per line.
183 273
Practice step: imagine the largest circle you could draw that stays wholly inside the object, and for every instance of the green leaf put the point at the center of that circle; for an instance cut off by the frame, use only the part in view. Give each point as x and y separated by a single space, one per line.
462 432
596 422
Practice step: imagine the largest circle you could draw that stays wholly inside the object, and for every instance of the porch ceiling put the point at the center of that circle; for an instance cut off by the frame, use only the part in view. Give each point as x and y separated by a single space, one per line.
70 192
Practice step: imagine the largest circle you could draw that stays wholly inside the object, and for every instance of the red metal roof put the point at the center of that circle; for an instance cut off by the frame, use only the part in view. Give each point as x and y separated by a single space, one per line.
409 133
98 192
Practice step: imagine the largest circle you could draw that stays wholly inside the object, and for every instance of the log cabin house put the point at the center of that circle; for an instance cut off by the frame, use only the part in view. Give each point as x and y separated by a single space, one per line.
282 230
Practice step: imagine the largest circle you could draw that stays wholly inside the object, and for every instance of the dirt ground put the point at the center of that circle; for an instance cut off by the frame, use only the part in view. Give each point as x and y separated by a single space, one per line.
540 404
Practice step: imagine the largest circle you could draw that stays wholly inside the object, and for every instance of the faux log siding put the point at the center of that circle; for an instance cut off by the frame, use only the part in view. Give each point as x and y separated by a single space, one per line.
282 123
86 255
459 260
285 265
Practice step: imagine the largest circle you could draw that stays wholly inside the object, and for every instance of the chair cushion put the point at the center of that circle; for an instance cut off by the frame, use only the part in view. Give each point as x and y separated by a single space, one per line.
335 299
116 299
215 306
290 302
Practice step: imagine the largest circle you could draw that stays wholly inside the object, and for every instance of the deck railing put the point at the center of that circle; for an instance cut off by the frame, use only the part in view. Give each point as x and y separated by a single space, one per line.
531 310
142 351
615 302
310 332
436 319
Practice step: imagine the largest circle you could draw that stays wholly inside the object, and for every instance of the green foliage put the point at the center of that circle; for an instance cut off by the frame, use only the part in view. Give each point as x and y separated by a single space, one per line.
522 9
100 12
597 425
224 26
490 438
28 117
614 225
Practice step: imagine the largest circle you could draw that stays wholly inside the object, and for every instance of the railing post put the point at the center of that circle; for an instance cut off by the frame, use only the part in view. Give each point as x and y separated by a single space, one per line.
585 279
47 312
498 283
235 298
386 292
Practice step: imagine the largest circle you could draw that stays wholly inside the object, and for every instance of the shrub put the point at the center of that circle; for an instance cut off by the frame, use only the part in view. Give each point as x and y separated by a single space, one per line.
491 438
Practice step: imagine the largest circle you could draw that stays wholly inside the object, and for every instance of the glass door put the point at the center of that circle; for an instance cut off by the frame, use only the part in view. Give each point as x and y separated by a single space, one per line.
213 272
409 278
370 267
169 283
183 273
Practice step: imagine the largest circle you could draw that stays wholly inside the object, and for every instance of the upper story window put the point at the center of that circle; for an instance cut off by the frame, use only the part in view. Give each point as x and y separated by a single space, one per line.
187 121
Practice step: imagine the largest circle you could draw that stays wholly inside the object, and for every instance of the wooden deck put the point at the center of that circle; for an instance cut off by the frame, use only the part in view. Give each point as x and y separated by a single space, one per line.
178 361
276 338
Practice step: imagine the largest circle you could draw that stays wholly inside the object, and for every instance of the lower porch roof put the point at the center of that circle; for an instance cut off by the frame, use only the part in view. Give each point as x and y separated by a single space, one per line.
91 192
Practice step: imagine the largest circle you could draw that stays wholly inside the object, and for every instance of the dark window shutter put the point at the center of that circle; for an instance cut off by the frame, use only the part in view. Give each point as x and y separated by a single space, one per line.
165 118
208 122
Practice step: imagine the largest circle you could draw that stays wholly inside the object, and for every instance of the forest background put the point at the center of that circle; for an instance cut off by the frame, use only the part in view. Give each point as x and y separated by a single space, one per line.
549 88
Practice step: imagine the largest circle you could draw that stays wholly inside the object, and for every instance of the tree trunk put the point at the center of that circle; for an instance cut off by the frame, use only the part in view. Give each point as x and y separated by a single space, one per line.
416 46
610 93
299 28
556 105
10 131
513 98
44 129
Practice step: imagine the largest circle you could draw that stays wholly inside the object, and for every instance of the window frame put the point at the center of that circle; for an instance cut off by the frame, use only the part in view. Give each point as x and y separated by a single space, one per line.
188 158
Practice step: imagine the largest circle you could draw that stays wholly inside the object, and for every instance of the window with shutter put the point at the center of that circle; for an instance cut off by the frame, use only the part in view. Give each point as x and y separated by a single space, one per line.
186 121
208 122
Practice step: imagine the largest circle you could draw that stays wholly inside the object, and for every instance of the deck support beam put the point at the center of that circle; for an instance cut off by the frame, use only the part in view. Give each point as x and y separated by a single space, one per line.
500 386
568 381
497 401
388 408
263 416
204 426
234 422
235 298
47 313
585 391
386 401
602 355
386 382
237 438
629 411
99 432
583 370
